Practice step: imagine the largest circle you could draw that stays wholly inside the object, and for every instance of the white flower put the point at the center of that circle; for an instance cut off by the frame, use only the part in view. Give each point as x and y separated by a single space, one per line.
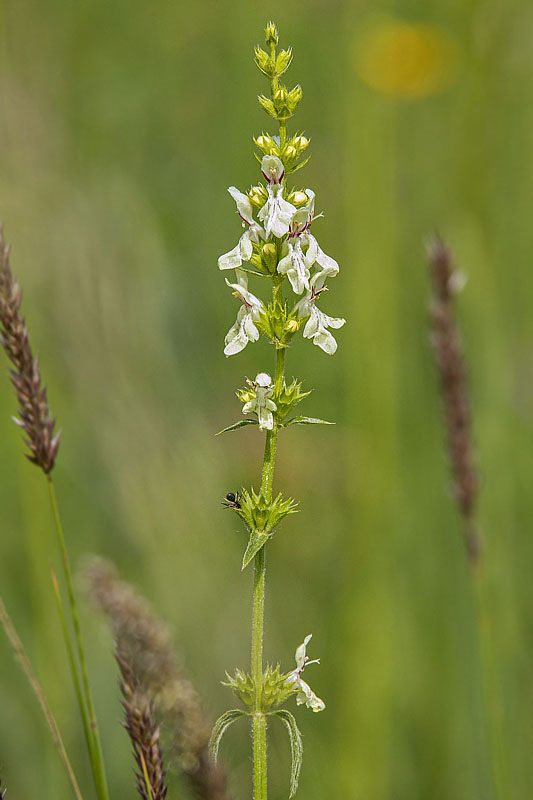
243 250
244 330
297 261
326 262
277 212
306 694
318 322
261 404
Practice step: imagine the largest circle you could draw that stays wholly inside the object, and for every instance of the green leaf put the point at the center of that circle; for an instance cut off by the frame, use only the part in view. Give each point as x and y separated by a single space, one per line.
256 541
297 749
307 421
240 424
219 729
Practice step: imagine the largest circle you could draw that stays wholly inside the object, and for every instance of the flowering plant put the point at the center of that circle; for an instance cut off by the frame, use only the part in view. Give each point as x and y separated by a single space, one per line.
277 244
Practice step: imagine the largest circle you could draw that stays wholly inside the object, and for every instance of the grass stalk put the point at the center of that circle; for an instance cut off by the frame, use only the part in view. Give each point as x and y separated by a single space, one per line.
80 677
73 666
491 695
449 355
18 649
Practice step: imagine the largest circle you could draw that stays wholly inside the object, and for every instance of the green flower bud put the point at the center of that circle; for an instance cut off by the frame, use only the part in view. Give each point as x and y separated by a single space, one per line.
292 325
300 142
276 687
262 515
281 95
295 95
291 394
267 144
283 61
270 256
258 196
297 198
268 105
282 102
290 152
264 63
271 34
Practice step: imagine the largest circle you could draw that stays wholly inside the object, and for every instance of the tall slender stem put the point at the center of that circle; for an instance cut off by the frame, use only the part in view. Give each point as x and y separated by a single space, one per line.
259 726
93 740
491 692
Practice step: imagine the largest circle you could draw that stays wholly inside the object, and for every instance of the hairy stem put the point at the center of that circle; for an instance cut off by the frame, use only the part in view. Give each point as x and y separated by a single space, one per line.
259 718
86 709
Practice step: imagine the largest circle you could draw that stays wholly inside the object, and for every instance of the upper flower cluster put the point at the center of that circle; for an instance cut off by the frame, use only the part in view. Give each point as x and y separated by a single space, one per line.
282 230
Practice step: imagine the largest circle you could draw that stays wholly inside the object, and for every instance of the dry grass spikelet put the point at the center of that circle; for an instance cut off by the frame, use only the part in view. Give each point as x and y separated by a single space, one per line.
34 413
142 639
448 350
143 732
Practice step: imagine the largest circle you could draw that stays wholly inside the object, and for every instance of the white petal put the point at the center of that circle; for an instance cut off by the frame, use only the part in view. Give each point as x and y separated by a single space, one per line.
232 259
312 249
249 328
311 202
248 407
296 281
270 404
302 308
266 420
299 656
263 379
325 341
308 697
244 206
332 322
272 168
286 263
312 326
327 263
236 343
245 244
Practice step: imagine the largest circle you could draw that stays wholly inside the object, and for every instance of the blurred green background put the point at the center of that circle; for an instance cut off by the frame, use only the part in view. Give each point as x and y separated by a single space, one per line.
121 125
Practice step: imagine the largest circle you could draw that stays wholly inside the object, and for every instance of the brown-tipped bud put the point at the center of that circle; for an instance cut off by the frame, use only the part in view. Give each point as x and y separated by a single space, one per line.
447 346
34 413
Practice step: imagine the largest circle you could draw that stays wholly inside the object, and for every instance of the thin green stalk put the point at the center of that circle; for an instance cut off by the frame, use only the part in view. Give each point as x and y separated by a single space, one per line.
490 688
259 723
18 649
73 667
86 709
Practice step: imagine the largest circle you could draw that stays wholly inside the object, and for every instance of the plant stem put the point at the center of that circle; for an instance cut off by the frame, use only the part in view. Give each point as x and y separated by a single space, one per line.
490 684
86 709
20 653
259 726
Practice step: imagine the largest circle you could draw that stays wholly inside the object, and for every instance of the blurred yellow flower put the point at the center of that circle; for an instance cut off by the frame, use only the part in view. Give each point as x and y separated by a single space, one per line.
407 60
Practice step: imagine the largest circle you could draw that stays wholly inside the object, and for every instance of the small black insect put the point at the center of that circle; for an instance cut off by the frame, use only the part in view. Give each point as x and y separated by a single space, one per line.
233 500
